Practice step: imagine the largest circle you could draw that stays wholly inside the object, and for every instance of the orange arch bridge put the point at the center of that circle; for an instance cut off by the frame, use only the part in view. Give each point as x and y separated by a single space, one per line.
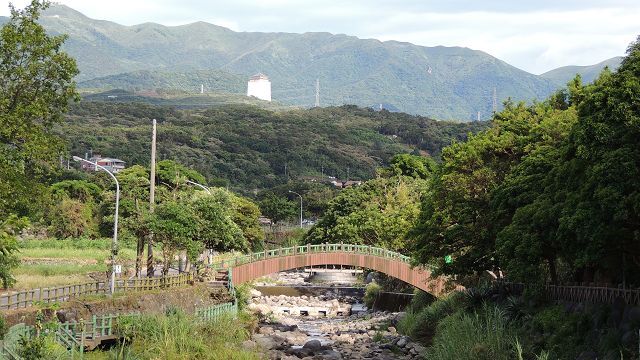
249 267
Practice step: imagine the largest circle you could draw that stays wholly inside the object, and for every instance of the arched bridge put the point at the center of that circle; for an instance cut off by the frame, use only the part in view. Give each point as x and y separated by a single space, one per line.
249 267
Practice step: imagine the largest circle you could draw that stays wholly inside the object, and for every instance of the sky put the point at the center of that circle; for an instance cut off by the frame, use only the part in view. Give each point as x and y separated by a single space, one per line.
535 36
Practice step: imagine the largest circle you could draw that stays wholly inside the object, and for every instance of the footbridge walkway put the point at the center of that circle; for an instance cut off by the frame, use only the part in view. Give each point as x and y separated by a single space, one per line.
250 267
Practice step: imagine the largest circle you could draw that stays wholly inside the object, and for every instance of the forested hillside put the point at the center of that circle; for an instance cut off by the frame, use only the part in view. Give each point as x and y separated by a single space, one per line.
441 82
564 74
247 148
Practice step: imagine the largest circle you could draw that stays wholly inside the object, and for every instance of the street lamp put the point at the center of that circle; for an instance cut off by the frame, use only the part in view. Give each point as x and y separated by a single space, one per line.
200 186
293 192
114 244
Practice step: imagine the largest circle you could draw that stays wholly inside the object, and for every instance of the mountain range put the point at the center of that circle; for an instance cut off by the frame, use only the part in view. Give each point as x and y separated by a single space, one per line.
440 82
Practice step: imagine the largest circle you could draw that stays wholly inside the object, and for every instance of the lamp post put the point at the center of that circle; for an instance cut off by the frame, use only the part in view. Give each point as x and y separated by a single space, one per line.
114 244
293 192
200 186
208 190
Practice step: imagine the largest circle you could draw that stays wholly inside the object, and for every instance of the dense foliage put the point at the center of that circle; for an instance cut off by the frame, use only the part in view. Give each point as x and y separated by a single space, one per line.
36 82
245 147
379 212
549 192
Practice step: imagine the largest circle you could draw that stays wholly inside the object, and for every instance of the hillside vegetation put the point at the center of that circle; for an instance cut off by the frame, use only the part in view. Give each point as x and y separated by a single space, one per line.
246 147
364 72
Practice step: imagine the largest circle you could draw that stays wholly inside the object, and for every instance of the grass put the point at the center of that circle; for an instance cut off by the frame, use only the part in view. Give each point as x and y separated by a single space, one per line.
179 336
70 253
55 262
484 334
25 282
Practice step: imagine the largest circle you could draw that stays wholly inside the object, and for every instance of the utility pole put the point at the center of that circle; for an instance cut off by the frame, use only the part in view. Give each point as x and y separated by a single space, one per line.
150 269
317 92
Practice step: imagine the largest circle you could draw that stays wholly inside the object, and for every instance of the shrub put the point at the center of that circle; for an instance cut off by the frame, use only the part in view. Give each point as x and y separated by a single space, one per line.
371 293
422 324
243 295
421 300
484 334
3 327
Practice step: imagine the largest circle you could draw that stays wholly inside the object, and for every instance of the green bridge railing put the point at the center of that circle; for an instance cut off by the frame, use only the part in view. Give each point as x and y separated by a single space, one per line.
310 249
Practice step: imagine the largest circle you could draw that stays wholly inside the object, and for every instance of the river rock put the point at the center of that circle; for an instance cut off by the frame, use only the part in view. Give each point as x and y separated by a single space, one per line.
329 355
266 330
249 345
402 342
312 345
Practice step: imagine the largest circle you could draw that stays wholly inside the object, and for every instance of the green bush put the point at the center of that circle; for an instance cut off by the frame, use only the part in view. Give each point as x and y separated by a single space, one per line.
42 347
371 292
422 324
243 295
421 300
3 327
484 334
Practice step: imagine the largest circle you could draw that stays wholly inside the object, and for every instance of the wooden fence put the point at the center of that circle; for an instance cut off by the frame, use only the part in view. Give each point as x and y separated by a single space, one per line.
583 294
26 298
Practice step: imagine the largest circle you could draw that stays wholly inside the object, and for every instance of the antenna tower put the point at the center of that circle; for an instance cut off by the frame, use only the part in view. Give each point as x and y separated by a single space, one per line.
317 92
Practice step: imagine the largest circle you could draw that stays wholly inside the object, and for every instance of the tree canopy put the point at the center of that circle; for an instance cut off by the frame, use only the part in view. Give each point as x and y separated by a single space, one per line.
549 192
36 78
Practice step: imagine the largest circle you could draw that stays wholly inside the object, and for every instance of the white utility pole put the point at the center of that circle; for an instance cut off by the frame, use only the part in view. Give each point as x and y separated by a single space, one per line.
317 92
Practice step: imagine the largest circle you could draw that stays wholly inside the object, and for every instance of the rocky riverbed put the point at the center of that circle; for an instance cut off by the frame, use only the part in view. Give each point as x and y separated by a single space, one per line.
289 336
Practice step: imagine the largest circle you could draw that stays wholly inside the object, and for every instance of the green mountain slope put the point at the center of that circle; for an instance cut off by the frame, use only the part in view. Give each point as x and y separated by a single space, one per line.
247 147
441 82
562 75
212 81
351 70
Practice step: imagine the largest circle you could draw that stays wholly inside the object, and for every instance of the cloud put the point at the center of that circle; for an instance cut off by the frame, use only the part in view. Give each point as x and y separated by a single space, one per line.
533 35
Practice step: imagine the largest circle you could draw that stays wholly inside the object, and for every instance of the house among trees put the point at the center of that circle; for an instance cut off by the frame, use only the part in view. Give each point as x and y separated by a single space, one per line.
111 164
343 184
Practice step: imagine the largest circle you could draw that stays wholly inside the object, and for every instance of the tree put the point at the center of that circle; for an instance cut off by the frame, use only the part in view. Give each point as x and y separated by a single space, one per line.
379 212
134 197
246 214
216 229
76 189
36 79
74 210
277 208
72 218
602 211
173 174
174 226
414 166
456 218
9 228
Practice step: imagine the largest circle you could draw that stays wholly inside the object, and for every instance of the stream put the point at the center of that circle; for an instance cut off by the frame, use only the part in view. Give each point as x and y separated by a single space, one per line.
299 321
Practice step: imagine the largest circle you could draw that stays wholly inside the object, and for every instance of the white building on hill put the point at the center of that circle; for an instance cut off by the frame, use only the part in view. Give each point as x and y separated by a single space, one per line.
260 87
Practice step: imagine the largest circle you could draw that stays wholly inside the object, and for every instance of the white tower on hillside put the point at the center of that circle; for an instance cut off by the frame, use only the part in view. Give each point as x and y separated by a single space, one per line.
260 87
